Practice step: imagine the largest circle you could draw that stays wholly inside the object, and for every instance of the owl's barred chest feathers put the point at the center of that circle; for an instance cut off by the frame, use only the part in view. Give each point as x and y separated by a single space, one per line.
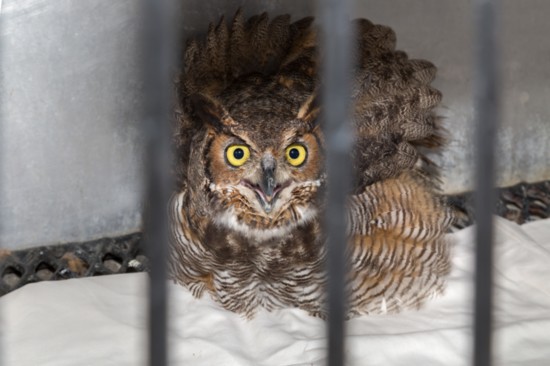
250 272
247 216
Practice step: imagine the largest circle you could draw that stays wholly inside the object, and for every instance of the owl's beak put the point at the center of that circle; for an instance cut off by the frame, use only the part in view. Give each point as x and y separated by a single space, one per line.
267 184
267 190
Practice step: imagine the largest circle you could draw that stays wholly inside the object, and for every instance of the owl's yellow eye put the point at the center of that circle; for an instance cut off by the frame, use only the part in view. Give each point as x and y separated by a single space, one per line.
237 155
296 154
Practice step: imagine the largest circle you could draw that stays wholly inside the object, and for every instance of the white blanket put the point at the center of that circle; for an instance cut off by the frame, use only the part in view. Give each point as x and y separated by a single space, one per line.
101 320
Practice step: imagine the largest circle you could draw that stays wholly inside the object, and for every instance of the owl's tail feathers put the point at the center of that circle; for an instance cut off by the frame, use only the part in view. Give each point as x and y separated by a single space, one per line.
394 107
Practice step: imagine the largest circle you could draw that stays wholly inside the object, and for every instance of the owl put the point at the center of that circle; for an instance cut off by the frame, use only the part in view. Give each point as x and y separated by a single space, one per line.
249 203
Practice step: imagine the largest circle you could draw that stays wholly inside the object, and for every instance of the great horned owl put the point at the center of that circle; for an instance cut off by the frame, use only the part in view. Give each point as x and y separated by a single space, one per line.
249 203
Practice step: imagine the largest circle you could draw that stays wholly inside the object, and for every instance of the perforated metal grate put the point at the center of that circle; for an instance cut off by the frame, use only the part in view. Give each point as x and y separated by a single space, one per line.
95 258
521 203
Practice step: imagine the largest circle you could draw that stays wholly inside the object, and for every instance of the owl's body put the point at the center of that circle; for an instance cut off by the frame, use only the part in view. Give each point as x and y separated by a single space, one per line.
251 179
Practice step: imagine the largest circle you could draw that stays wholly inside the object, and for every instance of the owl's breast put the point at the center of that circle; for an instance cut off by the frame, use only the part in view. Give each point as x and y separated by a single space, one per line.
245 273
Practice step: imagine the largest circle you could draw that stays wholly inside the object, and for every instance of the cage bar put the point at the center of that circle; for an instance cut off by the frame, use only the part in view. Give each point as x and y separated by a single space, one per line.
158 60
486 103
2 336
336 66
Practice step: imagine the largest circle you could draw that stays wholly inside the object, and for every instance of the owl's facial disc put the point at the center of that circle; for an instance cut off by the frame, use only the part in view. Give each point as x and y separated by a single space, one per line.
264 180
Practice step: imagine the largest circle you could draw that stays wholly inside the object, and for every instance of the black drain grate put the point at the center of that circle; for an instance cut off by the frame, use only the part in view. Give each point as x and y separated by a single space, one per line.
95 258
521 203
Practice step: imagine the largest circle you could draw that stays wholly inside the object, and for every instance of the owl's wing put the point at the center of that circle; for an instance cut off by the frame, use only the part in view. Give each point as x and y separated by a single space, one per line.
394 105
398 254
402 207
246 47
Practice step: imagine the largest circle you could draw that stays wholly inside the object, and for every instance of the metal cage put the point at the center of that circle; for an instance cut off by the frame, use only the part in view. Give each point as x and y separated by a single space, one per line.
159 41
336 41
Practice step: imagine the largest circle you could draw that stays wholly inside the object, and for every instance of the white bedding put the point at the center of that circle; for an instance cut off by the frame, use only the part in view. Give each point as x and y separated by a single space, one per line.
101 320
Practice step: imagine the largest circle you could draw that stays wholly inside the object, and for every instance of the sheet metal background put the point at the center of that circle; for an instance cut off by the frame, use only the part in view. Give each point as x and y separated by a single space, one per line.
71 121
71 88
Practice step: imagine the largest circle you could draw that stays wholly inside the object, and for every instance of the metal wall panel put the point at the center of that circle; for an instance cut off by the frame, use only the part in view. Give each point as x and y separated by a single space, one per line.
70 115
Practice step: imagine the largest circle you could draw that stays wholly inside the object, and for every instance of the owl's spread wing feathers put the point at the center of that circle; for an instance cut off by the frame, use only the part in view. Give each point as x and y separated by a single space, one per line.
394 102
394 108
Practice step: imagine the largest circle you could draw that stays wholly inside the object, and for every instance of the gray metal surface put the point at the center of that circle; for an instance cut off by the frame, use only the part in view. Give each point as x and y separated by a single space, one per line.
70 88
487 121
336 48
160 52
70 121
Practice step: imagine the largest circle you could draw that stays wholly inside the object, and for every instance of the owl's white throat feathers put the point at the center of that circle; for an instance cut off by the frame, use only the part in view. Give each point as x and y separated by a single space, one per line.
302 213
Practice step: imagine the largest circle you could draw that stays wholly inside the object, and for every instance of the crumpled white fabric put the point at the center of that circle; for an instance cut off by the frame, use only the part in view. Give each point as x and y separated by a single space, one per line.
102 320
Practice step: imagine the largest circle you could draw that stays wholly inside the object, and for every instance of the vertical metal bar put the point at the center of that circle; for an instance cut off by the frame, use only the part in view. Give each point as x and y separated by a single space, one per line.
336 70
1 162
158 61
487 116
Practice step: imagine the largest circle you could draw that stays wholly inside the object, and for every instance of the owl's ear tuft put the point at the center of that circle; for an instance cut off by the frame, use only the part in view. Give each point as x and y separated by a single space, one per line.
211 112
309 111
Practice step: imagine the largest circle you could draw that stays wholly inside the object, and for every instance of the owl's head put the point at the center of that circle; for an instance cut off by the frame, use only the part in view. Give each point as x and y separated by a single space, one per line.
250 153
261 158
